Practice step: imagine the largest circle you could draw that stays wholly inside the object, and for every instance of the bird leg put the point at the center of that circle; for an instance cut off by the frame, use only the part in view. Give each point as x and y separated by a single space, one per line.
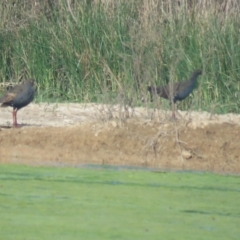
178 113
15 118
173 110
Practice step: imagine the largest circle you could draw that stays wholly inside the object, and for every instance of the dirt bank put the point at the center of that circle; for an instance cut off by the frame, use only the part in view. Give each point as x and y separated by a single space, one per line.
78 134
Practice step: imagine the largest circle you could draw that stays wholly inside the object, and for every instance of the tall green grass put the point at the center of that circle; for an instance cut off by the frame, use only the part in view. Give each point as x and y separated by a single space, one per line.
109 51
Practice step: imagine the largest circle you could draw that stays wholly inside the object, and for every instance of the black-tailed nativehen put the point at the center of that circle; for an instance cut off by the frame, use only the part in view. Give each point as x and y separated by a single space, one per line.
18 97
176 91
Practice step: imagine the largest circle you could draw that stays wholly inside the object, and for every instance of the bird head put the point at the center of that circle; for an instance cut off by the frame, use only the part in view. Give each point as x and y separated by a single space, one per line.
198 72
30 81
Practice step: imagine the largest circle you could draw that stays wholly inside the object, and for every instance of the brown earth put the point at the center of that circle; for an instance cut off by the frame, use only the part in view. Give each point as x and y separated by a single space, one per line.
76 135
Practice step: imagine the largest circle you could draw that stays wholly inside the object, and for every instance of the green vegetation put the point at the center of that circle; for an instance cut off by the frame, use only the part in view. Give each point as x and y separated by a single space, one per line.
76 203
109 51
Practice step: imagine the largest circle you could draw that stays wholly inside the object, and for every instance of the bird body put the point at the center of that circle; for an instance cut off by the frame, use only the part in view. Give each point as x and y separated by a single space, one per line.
18 97
176 91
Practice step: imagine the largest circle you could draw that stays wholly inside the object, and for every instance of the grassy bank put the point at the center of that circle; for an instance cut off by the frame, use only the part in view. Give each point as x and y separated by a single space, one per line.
84 51
71 203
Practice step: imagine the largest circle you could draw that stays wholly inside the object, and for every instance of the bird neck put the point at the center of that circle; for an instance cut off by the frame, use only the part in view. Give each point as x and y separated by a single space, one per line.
190 84
194 77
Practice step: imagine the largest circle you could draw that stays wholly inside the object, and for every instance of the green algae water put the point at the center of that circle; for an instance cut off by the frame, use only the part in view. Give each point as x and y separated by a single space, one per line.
113 203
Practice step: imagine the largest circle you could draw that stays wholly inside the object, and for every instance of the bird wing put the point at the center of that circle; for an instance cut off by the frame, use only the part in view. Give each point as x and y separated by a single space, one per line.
163 91
7 99
170 90
176 88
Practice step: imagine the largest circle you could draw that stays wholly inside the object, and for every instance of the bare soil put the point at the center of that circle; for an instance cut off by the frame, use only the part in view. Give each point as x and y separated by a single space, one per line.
76 134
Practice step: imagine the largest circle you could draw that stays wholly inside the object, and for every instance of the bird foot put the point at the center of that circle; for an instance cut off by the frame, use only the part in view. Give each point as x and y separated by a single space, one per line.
20 125
15 125
173 116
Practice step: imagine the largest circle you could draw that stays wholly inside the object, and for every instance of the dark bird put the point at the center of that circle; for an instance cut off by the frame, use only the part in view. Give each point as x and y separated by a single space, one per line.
176 91
18 97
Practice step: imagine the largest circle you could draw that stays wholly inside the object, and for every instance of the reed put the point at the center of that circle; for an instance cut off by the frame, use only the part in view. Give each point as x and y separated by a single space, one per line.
109 51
